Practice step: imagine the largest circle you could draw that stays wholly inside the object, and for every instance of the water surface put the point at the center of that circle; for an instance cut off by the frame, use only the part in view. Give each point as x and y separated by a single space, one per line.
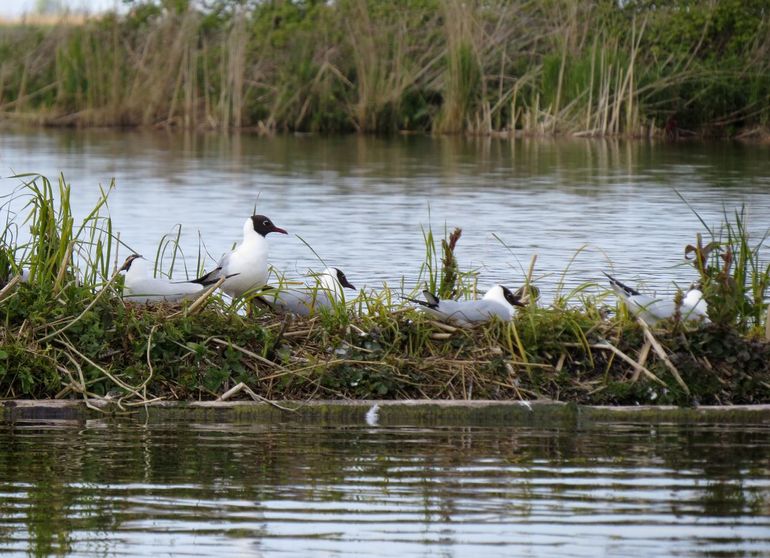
362 202
99 488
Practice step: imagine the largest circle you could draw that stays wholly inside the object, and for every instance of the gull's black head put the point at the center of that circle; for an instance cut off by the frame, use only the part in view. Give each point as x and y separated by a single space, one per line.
129 260
263 225
511 298
696 286
343 280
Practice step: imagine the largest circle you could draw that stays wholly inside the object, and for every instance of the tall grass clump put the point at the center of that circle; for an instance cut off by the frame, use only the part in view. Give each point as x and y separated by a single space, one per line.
463 74
59 251
498 67
733 274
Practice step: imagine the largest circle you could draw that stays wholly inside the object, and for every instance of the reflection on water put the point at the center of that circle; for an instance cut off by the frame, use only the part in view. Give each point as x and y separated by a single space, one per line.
360 202
100 488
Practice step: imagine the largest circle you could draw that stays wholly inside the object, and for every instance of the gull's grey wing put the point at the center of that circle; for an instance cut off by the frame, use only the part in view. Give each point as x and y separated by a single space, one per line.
653 310
476 311
468 312
300 302
649 308
217 273
160 290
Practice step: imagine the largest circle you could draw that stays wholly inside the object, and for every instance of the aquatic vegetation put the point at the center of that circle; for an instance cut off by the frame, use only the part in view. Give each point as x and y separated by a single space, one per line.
597 68
67 332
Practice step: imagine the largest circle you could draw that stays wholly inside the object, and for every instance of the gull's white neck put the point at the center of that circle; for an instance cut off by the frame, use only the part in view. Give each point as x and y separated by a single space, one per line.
327 280
139 270
496 293
250 236
693 297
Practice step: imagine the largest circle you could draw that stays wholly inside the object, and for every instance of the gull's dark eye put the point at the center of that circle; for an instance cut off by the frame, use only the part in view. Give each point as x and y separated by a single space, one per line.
266 222
509 296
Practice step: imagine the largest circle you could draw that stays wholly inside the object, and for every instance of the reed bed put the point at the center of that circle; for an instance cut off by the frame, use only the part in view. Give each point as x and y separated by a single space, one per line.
502 67
67 333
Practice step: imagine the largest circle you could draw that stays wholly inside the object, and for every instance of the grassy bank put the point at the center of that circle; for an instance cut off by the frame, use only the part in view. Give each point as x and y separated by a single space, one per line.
636 68
67 333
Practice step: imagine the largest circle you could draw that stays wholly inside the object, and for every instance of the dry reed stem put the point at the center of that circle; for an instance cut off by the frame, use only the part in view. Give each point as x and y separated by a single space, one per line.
255 396
441 325
636 366
247 352
63 268
642 360
115 380
662 354
7 291
202 299
83 391
560 363
298 333
143 386
144 403
767 324
72 386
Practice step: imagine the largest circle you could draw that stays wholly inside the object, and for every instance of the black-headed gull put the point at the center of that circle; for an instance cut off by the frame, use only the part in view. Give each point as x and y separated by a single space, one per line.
327 292
652 309
498 302
140 286
245 267
24 276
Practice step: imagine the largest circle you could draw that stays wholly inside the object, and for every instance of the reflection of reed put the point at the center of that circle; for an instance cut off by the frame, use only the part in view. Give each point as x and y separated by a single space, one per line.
64 483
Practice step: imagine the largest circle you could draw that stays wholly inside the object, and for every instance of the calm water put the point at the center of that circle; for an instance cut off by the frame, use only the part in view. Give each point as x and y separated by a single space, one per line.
104 489
361 202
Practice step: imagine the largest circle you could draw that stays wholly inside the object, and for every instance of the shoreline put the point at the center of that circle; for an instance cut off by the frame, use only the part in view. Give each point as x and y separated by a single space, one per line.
388 412
44 120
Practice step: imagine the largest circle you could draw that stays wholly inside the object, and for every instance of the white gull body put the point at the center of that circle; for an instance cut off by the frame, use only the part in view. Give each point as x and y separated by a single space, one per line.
141 287
245 268
328 291
652 309
498 302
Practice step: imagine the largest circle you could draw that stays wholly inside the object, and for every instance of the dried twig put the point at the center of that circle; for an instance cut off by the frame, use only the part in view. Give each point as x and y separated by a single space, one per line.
623 356
642 360
63 268
200 302
445 327
6 291
101 369
663 356
252 354
256 397
767 324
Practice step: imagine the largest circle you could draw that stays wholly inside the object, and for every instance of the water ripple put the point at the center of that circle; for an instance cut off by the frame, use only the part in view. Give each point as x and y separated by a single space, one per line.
361 202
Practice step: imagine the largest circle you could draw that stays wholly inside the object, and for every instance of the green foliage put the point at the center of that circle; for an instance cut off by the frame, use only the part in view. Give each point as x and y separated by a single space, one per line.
734 279
361 65
68 333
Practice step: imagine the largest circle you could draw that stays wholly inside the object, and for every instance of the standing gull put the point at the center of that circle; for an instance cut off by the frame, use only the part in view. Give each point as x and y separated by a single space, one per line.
245 267
652 310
